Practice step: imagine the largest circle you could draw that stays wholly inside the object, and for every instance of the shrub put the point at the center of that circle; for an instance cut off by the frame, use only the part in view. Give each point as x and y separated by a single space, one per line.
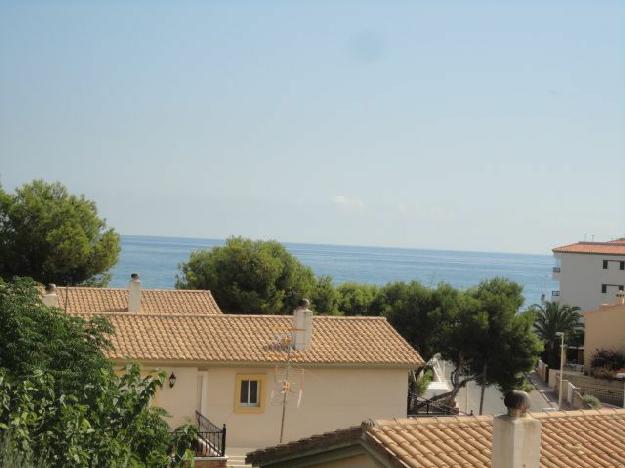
608 358
591 401
603 373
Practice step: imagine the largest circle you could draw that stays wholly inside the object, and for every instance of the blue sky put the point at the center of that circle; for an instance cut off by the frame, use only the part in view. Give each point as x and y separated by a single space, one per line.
454 125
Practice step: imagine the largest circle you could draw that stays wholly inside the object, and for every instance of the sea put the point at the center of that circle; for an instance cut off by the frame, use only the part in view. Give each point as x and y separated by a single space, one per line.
156 259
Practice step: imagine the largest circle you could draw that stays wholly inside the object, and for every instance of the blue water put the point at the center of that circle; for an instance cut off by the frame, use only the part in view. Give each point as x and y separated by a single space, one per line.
156 259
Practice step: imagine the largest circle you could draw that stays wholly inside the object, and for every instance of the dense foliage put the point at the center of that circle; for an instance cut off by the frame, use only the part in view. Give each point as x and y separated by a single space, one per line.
61 404
606 363
551 318
479 331
54 237
247 276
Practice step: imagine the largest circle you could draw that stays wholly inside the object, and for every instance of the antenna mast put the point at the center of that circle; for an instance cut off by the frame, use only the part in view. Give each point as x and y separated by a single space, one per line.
285 390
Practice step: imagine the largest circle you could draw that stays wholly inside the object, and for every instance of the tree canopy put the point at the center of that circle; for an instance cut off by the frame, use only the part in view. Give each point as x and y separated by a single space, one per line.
54 237
551 318
61 404
247 276
479 330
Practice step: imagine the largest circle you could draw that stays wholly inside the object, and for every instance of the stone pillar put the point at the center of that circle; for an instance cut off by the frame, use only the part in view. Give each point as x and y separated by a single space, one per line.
516 435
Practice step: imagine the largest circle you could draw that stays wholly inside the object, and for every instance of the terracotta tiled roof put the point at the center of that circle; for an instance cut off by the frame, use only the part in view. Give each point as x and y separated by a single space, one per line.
81 300
346 341
569 439
615 247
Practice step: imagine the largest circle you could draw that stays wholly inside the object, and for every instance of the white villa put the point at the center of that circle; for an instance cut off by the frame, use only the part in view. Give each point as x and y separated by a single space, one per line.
238 370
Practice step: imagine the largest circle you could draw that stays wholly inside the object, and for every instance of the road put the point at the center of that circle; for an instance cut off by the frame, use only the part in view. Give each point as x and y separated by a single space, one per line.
469 399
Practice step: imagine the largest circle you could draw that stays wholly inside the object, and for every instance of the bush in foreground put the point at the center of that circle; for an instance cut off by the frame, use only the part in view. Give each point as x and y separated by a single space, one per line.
61 404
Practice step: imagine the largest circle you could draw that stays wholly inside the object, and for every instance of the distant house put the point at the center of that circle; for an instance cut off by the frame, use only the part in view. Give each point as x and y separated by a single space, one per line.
591 438
604 328
232 369
590 273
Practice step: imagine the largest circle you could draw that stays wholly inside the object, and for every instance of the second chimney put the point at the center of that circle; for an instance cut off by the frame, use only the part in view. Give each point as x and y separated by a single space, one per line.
516 435
50 297
302 325
134 293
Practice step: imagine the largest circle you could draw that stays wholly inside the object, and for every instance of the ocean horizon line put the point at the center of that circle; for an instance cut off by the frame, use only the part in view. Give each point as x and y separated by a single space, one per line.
361 246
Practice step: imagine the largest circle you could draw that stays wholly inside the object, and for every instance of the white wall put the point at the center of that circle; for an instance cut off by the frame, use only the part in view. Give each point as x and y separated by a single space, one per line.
581 277
332 399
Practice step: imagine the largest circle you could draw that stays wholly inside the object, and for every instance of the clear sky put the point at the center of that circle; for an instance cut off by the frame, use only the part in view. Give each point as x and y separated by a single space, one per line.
442 124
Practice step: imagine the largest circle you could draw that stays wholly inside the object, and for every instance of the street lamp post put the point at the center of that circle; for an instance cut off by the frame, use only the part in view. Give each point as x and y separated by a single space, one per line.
561 335
621 375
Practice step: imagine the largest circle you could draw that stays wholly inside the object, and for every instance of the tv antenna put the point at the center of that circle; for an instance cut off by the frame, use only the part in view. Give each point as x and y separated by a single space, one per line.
283 385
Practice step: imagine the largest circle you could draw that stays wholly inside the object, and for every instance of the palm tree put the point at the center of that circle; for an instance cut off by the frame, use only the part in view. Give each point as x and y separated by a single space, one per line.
551 317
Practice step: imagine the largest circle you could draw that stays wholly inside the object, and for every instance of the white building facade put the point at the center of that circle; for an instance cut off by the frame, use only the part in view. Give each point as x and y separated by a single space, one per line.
589 273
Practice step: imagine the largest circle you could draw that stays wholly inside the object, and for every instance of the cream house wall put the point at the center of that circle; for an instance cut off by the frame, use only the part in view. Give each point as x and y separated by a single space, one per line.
332 399
183 399
581 277
604 329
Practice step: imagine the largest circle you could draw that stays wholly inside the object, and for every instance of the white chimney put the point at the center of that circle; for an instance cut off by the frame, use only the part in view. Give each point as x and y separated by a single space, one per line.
302 325
134 293
620 297
49 297
516 435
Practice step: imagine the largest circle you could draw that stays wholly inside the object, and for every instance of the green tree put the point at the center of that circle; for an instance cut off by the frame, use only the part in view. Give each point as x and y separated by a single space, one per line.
325 297
421 315
488 341
249 276
551 318
54 237
357 299
60 401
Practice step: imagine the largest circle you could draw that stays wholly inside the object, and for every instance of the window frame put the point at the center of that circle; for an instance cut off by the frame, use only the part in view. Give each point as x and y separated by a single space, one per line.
244 408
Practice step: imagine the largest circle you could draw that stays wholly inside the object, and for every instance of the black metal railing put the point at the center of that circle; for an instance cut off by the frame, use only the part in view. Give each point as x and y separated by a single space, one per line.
211 439
556 269
418 407
555 293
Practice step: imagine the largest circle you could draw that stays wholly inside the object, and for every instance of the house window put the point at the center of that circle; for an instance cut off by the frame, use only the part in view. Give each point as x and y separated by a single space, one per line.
604 288
621 287
605 264
622 265
249 393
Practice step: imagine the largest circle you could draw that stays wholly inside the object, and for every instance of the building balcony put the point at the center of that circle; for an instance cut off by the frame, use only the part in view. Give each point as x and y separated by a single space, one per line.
555 272
556 269
555 294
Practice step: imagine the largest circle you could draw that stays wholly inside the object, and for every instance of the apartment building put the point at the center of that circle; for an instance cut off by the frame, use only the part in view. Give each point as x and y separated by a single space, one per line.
589 273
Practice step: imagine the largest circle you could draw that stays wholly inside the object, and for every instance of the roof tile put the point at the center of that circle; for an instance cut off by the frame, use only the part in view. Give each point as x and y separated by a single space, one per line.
615 247
348 341
569 439
86 300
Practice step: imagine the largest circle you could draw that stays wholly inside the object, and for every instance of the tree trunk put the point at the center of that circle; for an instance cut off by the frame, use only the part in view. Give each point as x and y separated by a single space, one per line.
483 387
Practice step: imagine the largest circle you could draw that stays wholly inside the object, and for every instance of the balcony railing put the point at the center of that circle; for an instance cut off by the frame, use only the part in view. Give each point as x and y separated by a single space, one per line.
420 407
211 439
555 293
556 269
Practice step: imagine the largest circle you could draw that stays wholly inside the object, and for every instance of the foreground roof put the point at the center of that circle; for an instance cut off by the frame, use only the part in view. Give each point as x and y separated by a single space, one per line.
253 339
569 439
84 300
615 247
